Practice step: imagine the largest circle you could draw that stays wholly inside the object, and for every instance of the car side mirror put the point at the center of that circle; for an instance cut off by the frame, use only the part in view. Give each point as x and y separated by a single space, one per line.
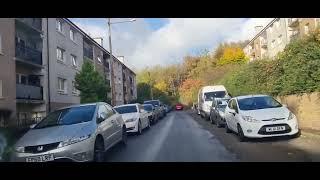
32 126
102 117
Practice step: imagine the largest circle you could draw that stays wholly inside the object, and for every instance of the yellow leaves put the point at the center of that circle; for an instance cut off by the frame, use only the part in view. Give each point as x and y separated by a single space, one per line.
189 89
232 55
162 86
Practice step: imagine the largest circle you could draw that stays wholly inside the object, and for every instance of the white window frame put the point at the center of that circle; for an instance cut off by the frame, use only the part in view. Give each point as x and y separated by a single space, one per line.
74 61
99 59
306 29
1 95
72 35
62 54
59 26
64 82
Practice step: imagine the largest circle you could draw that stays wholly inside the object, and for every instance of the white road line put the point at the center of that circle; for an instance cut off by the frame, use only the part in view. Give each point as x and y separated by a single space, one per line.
154 148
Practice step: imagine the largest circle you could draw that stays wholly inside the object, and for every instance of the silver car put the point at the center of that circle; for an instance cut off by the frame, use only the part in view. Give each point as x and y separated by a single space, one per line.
76 133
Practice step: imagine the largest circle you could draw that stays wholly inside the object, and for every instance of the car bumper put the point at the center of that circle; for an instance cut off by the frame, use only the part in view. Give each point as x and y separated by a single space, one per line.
132 126
78 152
257 130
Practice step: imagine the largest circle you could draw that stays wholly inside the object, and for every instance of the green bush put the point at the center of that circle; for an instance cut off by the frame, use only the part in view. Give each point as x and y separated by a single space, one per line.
296 70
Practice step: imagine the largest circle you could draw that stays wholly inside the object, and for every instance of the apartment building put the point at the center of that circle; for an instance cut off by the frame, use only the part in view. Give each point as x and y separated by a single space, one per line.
39 59
7 72
129 85
30 69
65 57
273 38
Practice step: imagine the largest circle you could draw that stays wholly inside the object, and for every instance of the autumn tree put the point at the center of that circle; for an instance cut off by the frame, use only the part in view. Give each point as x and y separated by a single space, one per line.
232 55
189 90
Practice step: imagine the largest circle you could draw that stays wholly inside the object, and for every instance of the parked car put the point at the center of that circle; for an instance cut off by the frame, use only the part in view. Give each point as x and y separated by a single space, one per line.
152 115
217 113
134 116
75 133
257 116
158 106
205 97
179 106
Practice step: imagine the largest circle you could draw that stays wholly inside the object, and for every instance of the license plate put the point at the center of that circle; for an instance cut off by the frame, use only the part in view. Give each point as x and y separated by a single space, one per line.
276 128
43 158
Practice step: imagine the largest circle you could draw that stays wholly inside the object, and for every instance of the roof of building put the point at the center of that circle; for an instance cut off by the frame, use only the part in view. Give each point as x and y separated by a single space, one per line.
95 43
262 30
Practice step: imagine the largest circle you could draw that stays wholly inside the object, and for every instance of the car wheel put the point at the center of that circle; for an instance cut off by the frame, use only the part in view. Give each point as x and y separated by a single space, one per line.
124 136
227 128
241 136
211 120
98 151
139 128
218 123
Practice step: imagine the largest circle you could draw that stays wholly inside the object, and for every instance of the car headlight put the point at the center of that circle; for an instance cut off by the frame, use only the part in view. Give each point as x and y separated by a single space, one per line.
291 116
19 149
250 119
73 140
130 120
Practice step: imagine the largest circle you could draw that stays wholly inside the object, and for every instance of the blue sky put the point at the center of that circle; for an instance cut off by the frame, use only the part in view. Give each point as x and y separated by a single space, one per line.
161 41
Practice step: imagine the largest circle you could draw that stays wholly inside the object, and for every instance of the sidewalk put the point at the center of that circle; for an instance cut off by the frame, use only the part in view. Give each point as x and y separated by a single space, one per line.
310 133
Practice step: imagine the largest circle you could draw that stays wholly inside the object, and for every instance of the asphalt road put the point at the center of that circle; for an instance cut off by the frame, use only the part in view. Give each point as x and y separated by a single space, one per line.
183 136
175 138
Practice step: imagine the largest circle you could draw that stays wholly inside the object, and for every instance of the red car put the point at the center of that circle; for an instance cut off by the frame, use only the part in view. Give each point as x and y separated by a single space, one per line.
179 107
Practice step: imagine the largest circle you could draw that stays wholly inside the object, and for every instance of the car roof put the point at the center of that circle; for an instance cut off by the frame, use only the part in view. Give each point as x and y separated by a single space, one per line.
133 104
80 105
251 96
147 105
151 100
213 88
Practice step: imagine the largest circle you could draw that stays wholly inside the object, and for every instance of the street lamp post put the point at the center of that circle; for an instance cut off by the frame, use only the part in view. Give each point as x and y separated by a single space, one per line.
111 59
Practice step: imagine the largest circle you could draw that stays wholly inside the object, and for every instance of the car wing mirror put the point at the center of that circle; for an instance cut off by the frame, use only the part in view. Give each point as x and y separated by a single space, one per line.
102 117
32 126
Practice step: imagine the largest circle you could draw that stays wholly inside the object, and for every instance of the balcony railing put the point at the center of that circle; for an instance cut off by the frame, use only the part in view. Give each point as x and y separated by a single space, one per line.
293 22
28 54
29 92
35 23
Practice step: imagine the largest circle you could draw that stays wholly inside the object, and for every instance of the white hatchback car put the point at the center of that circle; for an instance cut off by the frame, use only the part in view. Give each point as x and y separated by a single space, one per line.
257 116
134 116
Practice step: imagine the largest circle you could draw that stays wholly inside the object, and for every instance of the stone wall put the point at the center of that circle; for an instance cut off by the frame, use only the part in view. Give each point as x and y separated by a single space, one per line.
306 107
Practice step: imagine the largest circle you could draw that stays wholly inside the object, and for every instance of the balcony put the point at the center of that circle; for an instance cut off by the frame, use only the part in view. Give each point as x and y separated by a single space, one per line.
294 35
264 44
34 23
28 55
293 22
29 93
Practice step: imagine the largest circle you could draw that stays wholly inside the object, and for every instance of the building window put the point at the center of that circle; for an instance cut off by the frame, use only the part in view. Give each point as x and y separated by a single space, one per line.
62 85
131 92
74 60
74 89
273 43
1 44
306 29
0 88
131 80
60 54
59 25
99 59
21 79
72 35
270 29
279 39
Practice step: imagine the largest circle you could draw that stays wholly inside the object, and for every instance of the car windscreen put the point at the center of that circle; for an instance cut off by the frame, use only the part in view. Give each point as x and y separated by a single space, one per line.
254 103
154 103
147 108
68 116
208 96
222 107
126 109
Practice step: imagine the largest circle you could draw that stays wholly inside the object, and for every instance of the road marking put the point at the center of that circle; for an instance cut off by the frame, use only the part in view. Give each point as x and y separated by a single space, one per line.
155 147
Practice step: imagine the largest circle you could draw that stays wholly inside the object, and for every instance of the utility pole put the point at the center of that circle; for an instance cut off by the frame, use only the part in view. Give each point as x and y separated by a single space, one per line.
111 66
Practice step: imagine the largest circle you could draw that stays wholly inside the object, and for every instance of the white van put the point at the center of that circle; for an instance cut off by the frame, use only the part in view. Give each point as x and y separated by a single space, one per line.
205 98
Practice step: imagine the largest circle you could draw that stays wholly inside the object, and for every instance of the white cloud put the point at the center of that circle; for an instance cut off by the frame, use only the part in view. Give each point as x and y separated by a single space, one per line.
143 47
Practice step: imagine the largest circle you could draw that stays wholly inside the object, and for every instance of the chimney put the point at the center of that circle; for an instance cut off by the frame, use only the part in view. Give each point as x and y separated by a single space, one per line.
258 29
